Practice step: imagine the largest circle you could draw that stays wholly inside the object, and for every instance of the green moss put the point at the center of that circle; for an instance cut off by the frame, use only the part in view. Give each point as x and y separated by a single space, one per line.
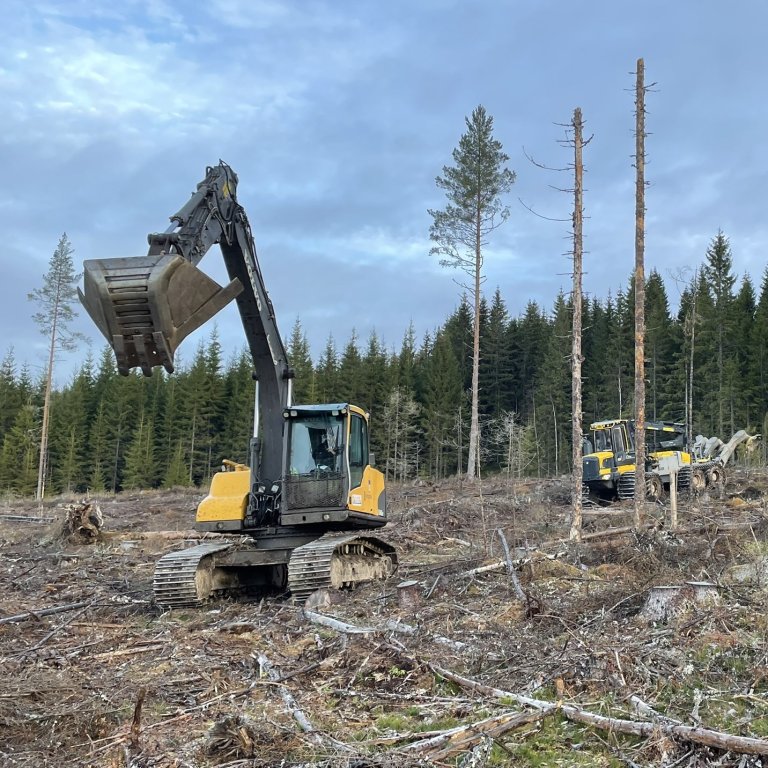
393 721
556 743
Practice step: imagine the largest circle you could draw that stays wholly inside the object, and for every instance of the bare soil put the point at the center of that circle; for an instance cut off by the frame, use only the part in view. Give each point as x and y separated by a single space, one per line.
112 680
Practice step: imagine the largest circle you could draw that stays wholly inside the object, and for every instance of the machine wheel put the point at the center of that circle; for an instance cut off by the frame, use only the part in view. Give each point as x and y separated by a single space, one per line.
716 476
698 480
654 488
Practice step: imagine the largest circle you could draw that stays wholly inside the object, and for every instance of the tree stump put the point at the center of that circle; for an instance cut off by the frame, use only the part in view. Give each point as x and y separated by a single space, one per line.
667 602
409 595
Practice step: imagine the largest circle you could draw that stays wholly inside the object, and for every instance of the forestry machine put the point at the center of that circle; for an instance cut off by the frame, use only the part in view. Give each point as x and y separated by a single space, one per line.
302 505
609 458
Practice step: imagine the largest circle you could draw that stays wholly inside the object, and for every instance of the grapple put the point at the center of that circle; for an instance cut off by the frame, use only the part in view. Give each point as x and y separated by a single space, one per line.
146 305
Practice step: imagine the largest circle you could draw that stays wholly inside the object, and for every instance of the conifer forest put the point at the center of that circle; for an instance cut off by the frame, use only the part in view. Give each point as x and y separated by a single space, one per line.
707 330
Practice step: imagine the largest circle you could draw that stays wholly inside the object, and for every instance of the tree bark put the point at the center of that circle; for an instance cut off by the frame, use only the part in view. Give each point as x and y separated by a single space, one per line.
640 294
577 470
42 466
474 425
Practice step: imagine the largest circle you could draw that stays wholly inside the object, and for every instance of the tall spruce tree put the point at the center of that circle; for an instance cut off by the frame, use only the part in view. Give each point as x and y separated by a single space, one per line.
351 386
69 427
553 392
759 361
327 373
441 396
738 374
495 360
18 465
475 187
405 362
719 277
659 352
11 396
374 385
533 334
55 299
301 362
458 330
237 421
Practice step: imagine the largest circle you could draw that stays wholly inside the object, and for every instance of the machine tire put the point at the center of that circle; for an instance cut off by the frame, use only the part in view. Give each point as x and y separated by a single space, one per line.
716 476
698 480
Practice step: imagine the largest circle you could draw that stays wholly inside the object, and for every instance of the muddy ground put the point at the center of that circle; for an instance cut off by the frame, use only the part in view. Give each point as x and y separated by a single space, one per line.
112 680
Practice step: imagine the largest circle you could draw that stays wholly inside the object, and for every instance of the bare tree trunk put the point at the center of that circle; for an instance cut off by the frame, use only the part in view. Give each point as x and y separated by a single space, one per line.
474 427
43 463
690 366
117 459
192 448
460 429
640 295
577 472
557 445
536 439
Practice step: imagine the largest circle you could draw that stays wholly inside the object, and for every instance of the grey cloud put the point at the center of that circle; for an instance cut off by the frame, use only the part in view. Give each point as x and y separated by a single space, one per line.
338 120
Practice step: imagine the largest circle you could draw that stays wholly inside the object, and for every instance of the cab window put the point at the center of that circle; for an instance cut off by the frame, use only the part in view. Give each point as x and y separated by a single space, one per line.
358 449
618 440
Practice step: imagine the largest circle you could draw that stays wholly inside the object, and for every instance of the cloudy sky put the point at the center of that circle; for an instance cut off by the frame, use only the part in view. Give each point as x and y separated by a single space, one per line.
338 115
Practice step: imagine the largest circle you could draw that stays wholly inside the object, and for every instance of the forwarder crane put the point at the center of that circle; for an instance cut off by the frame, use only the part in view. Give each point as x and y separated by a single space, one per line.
291 518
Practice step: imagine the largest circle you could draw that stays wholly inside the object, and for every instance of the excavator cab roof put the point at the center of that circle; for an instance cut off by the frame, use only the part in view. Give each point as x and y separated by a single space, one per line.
307 410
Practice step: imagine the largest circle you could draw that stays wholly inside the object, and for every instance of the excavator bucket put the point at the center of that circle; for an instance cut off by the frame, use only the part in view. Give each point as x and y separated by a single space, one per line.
145 306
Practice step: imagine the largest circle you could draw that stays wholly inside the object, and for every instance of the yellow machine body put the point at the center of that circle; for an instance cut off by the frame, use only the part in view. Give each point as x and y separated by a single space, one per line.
227 498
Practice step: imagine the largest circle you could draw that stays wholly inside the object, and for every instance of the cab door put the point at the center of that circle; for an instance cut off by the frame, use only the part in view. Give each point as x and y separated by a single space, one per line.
366 484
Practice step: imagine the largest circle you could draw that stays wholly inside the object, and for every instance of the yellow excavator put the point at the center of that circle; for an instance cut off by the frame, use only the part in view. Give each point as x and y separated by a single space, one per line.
296 517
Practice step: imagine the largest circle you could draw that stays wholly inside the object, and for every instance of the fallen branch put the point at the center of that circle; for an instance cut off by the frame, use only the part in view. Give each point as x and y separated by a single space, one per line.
129 651
495 566
742 744
43 612
55 631
407 629
266 668
500 565
643 708
339 626
511 567
461 738
135 732
390 626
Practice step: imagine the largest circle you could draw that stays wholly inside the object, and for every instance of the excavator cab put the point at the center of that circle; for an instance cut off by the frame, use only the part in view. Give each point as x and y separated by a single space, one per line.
146 306
329 474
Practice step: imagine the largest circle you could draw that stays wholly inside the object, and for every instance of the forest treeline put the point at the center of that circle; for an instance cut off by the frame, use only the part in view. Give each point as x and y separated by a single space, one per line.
110 432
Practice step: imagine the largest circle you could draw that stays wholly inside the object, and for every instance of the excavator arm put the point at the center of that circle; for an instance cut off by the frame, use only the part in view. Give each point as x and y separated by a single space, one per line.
145 306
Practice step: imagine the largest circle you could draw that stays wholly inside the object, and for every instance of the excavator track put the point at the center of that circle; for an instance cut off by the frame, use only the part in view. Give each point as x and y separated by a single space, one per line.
186 578
338 561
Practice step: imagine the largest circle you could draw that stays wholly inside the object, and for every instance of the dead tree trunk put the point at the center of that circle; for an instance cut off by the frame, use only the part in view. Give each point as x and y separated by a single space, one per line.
576 407
640 294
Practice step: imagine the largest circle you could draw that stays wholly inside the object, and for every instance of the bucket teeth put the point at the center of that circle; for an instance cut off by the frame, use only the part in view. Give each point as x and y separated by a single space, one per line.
146 306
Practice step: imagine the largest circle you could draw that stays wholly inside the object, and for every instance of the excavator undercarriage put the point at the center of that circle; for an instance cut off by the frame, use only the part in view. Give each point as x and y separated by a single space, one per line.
228 564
